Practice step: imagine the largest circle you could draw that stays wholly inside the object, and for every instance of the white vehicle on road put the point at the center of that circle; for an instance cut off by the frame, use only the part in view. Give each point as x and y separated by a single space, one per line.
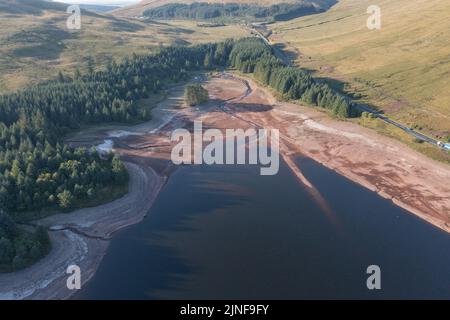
443 145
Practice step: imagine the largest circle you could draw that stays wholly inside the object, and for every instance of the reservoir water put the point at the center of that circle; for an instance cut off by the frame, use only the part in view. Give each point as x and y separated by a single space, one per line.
225 232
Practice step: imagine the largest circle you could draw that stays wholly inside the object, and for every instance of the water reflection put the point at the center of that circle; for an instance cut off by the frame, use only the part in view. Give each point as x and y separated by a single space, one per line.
225 232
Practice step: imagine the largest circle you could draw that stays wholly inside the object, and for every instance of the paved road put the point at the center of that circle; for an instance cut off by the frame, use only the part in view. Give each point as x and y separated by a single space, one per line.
410 131
277 52
361 107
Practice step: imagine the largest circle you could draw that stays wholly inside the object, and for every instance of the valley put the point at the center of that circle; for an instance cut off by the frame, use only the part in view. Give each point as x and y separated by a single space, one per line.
118 154
36 45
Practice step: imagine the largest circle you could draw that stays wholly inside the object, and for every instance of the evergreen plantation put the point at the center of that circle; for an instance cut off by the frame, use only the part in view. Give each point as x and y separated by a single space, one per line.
195 94
19 248
253 56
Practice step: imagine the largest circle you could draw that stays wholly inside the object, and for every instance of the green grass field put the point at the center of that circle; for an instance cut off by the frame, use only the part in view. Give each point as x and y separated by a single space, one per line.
402 69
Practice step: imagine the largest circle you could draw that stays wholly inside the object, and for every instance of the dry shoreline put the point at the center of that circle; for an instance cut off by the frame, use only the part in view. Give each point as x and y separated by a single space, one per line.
409 179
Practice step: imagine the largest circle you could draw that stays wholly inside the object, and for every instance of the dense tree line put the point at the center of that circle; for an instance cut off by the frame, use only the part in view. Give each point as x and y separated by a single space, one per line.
36 170
195 94
205 11
18 248
253 56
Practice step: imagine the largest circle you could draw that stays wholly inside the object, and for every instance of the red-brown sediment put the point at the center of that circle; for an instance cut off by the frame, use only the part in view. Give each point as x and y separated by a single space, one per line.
383 165
386 166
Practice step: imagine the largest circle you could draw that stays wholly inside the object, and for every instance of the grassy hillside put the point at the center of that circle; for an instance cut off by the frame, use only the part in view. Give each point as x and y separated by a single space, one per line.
403 69
36 43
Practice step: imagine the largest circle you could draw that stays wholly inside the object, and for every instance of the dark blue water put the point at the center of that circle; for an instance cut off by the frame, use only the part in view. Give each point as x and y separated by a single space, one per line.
225 232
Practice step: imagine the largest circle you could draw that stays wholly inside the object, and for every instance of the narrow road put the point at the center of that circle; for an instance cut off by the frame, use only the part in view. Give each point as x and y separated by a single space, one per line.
410 131
277 52
362 107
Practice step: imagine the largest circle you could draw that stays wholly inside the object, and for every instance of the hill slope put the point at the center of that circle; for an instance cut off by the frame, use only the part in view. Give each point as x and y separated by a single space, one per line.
36 44
35 7
403 69
139 8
